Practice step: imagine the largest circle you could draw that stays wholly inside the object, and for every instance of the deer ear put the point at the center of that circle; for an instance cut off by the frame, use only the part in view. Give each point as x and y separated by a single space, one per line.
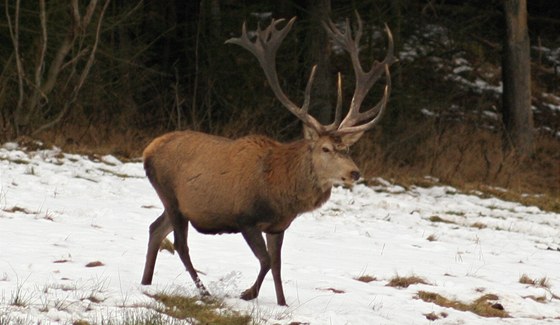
310 133
351 138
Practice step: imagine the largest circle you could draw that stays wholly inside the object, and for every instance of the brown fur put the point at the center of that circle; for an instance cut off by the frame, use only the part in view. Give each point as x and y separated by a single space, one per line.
252 181
250 185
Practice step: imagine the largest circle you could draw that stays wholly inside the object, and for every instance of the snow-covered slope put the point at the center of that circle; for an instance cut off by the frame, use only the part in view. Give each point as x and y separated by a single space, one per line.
59 212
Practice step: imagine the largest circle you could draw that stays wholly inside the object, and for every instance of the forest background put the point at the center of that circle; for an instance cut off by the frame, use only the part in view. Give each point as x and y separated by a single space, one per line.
107 76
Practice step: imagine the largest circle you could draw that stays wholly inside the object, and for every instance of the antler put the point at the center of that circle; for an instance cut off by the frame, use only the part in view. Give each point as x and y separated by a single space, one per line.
264 49
364 80
265 46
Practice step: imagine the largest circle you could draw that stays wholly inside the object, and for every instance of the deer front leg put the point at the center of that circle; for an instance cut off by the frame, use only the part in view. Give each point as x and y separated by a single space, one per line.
255 240
274 244
180 232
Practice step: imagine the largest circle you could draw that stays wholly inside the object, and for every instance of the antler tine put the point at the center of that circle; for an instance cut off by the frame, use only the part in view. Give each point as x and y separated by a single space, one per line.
364 80
307 96
337 116
345 40
376 111
264 48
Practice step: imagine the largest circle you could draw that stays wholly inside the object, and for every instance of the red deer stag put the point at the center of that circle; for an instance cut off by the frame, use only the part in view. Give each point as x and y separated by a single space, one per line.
253 184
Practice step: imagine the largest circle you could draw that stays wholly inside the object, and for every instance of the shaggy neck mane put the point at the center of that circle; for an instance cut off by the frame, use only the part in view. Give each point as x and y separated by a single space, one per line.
292 178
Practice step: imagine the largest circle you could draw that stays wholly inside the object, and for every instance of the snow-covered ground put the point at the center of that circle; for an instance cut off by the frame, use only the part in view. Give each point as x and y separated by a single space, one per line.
59 212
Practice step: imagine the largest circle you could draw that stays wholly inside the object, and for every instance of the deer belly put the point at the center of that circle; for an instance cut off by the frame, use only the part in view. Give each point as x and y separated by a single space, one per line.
276 227
216 223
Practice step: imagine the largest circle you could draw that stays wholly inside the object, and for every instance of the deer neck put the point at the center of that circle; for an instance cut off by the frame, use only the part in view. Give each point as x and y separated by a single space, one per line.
292 176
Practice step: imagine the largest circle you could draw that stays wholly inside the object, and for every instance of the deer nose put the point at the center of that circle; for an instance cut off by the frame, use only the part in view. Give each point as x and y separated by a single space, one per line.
355 175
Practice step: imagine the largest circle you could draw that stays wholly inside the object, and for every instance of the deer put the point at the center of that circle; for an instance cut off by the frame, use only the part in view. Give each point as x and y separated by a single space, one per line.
255 185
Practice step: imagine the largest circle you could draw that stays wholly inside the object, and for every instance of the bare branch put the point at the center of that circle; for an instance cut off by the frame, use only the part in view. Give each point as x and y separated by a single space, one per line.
75 12
58 63
14 34
83 75
39 66
89 13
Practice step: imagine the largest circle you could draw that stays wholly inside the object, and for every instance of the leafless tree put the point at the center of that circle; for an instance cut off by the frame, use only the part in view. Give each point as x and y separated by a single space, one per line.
73 55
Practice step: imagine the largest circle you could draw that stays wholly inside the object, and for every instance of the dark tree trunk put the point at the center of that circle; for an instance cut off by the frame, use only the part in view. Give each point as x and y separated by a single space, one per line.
392 121
320 54
516 75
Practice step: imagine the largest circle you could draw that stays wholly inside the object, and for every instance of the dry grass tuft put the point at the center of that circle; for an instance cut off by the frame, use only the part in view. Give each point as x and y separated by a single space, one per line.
478 225
439 219
484 306
405 282
433 316
432 237
333 290
366 278
541 283
207 310
167 245
16 208
81 322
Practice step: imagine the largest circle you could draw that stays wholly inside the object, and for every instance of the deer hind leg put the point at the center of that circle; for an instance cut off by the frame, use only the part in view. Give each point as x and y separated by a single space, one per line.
180 231
274 244
254 238
159 229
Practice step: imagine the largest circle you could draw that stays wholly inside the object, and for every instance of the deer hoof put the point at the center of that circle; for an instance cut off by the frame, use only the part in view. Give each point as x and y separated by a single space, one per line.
249 294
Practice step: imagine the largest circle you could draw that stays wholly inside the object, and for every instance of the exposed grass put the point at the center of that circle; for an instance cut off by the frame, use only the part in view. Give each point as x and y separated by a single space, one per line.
478 225
541 283
545 201
21 297
439 219
81 322
8 319
432 237
16 208
484 306
333 290
366 278
406 281
167 245
136 317
205 311
117 174
433 316
456 213
173 309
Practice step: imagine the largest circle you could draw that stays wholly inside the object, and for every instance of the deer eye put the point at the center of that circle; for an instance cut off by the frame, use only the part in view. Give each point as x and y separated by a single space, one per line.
325 149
